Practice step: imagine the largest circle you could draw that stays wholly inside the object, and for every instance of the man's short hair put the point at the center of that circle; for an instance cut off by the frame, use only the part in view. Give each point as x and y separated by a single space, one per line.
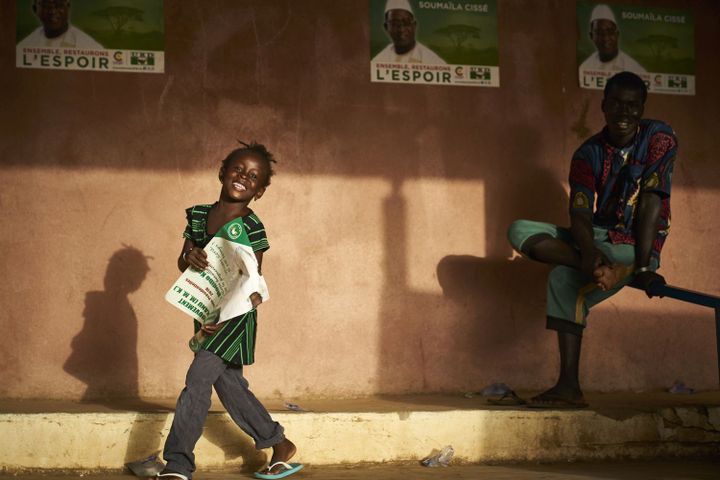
626 80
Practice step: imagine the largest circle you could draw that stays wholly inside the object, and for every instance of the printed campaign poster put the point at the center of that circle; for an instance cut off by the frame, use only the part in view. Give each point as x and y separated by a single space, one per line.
434 42
225 286
656 43
99 35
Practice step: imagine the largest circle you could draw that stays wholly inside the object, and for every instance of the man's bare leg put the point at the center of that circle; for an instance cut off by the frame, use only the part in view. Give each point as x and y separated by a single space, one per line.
547 249
567 389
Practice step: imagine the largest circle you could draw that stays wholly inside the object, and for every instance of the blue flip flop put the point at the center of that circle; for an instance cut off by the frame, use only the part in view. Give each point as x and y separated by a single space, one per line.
290 468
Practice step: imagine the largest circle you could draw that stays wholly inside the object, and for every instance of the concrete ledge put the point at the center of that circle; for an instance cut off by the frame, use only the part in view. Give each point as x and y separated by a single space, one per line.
393 431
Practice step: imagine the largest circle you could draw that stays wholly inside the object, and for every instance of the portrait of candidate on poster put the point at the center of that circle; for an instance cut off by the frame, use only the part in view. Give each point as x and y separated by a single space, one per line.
98 35
655 43
434 42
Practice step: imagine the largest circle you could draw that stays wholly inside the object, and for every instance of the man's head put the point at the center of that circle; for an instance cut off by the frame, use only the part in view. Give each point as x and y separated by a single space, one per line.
623 106
54 15
604 32
400 25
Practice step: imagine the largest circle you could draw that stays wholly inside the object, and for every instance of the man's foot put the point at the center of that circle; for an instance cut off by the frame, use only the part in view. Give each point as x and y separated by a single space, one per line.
560 396
607 276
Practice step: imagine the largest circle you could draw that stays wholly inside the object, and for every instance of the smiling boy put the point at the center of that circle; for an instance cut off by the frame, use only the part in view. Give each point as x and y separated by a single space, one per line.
244 176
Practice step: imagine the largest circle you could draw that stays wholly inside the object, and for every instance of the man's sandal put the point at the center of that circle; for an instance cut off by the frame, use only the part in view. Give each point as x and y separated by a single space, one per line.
508 399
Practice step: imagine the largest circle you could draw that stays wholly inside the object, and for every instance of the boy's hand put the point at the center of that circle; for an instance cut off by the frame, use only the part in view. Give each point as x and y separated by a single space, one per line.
256 299
196 258
210 329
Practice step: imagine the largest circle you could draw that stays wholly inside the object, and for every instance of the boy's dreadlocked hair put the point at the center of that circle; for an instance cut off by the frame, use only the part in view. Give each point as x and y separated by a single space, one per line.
257 149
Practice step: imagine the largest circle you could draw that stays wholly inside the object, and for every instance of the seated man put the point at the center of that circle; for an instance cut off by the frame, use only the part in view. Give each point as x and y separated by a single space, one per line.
619 218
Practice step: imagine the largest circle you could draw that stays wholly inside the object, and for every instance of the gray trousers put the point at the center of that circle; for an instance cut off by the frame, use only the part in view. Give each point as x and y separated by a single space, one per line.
208 370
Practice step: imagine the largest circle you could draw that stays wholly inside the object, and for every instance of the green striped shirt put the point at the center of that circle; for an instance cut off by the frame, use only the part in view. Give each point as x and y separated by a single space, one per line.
234 342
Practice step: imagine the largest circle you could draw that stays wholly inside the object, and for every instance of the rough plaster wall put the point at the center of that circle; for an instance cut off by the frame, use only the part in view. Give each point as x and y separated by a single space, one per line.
389 267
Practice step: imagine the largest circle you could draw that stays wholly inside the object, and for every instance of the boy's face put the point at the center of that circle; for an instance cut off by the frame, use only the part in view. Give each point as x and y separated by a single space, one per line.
244 178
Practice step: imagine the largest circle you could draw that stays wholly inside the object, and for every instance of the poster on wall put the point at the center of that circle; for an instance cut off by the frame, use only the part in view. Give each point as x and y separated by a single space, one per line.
434 42
656 43
97 35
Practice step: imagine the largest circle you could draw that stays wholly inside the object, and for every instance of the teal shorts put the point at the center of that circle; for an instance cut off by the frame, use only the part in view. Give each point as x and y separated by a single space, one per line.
571 293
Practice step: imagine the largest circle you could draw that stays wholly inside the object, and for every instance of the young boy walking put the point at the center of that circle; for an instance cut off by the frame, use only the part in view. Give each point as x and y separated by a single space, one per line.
244 175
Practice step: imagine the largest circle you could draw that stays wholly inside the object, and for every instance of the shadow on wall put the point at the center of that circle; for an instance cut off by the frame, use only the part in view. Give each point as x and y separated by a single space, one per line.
104 352
489 320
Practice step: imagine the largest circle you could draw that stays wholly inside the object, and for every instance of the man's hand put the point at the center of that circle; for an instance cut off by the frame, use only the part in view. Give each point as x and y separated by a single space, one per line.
607 277
646 280
591 260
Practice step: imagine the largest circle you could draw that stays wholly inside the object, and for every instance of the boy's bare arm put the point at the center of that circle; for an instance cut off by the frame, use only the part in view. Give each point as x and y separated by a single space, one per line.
255 297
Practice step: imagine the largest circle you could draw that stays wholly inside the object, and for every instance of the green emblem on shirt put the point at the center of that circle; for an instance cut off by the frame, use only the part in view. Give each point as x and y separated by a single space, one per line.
581 200
652 182
234 231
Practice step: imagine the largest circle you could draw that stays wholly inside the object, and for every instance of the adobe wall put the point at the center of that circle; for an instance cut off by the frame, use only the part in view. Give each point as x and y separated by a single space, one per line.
389 268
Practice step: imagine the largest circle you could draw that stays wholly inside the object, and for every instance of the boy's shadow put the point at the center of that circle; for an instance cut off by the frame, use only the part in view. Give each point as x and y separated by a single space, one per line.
104 352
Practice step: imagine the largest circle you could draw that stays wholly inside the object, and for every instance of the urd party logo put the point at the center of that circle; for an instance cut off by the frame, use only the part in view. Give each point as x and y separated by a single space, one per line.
142 58
479 73
677 81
